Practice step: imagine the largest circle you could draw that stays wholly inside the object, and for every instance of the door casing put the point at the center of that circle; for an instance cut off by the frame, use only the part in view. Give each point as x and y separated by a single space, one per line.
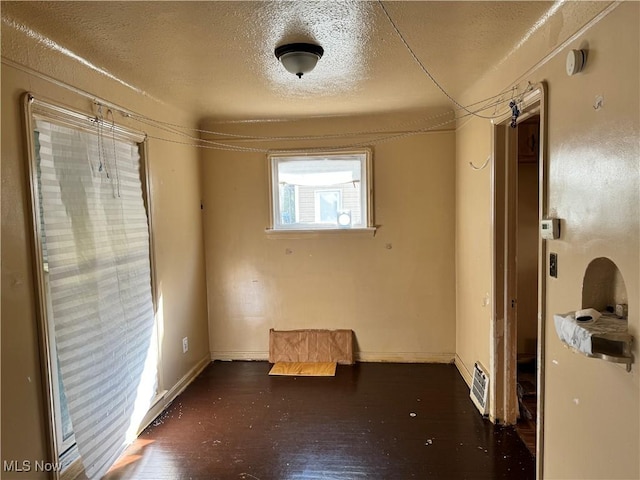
503 401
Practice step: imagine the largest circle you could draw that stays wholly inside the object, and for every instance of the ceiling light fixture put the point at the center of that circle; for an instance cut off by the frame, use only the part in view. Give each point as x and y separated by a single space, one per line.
299 58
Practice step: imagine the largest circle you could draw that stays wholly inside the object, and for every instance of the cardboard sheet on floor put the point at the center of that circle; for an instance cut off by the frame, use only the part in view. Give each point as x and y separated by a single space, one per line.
311 346
304 369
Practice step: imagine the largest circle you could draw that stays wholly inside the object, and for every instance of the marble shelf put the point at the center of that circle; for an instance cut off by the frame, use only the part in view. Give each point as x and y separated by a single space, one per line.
606 338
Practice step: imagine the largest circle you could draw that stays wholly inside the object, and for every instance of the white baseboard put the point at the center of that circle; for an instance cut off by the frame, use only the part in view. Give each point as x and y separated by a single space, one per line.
404 357
399 357
76 470
464 373
227 356
169 396
187 378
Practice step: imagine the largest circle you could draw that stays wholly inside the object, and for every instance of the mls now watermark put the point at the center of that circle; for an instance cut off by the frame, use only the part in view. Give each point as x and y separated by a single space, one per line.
29 466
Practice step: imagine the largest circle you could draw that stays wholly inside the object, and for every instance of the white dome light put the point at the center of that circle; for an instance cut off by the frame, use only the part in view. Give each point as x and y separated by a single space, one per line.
299 58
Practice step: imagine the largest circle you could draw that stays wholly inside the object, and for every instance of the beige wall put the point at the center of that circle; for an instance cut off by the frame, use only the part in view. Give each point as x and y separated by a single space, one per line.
473 247
174 172
592 425
394 289
401 301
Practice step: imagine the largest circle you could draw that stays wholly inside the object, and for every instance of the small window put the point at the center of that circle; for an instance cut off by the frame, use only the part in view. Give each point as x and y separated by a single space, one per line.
321 191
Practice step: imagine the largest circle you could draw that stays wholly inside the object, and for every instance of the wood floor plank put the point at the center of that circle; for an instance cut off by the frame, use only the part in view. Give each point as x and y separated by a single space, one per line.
371 421
306 369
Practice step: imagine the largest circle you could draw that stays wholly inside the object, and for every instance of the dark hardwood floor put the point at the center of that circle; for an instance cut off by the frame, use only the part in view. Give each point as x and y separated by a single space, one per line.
527 400
371 421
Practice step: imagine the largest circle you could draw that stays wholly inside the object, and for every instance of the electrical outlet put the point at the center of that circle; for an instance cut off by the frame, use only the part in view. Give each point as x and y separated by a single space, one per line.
185 344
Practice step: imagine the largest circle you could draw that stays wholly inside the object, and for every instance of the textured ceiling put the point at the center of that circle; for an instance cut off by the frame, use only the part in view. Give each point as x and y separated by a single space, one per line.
216 58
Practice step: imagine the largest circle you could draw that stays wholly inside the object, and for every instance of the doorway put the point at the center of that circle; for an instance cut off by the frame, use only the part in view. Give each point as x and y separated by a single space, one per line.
519 203
526 251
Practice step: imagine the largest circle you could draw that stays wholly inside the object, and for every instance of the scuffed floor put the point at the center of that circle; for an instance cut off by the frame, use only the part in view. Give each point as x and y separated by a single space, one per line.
371 421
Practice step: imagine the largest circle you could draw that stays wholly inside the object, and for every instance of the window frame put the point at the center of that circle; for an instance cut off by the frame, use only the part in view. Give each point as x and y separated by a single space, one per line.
39 107
274 229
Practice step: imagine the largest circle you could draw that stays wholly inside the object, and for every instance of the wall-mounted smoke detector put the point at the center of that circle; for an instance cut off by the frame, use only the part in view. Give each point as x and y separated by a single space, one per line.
299 58
576 60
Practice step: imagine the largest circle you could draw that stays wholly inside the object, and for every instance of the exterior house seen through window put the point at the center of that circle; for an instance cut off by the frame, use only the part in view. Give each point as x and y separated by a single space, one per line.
321 191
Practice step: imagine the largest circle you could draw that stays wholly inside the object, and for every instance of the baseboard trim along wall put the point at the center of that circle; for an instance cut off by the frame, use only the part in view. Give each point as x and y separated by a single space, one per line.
399 357
161 402
229 356
466 374
169 396
405 357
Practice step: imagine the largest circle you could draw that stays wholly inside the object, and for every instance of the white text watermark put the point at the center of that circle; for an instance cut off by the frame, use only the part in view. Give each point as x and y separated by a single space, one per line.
30 466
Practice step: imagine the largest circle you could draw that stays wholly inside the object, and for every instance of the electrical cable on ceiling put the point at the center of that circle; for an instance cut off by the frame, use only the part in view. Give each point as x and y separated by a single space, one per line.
221 146
224 146
173 131
514 89
180 130
421 65
238 137
381 134
269 139
143 118
209 144
428 73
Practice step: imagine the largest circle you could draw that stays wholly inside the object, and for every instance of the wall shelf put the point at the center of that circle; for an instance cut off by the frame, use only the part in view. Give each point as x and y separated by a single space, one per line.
606 338
606 335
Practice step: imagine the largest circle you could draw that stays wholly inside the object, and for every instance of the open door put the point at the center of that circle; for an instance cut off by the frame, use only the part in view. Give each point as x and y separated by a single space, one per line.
519 203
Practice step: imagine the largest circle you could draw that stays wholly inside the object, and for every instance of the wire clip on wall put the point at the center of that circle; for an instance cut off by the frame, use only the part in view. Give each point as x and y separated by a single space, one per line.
486 162
515 113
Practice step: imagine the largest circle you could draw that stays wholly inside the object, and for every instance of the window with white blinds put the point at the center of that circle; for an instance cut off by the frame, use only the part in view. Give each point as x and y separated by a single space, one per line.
95 240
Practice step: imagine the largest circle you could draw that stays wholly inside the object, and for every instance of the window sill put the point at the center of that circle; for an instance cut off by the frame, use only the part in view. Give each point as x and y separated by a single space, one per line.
316 233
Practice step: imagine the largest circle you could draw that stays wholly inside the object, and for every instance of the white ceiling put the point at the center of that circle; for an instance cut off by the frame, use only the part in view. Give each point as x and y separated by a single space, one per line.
216 58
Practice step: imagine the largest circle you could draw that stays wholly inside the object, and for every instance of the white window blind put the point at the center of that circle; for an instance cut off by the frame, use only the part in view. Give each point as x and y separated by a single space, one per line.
96 238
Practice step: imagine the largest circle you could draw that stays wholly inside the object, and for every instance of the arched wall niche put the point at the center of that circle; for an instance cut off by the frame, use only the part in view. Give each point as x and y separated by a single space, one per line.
603 286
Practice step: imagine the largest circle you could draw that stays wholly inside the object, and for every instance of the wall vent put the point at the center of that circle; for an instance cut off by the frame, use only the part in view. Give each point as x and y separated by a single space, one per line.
480 389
